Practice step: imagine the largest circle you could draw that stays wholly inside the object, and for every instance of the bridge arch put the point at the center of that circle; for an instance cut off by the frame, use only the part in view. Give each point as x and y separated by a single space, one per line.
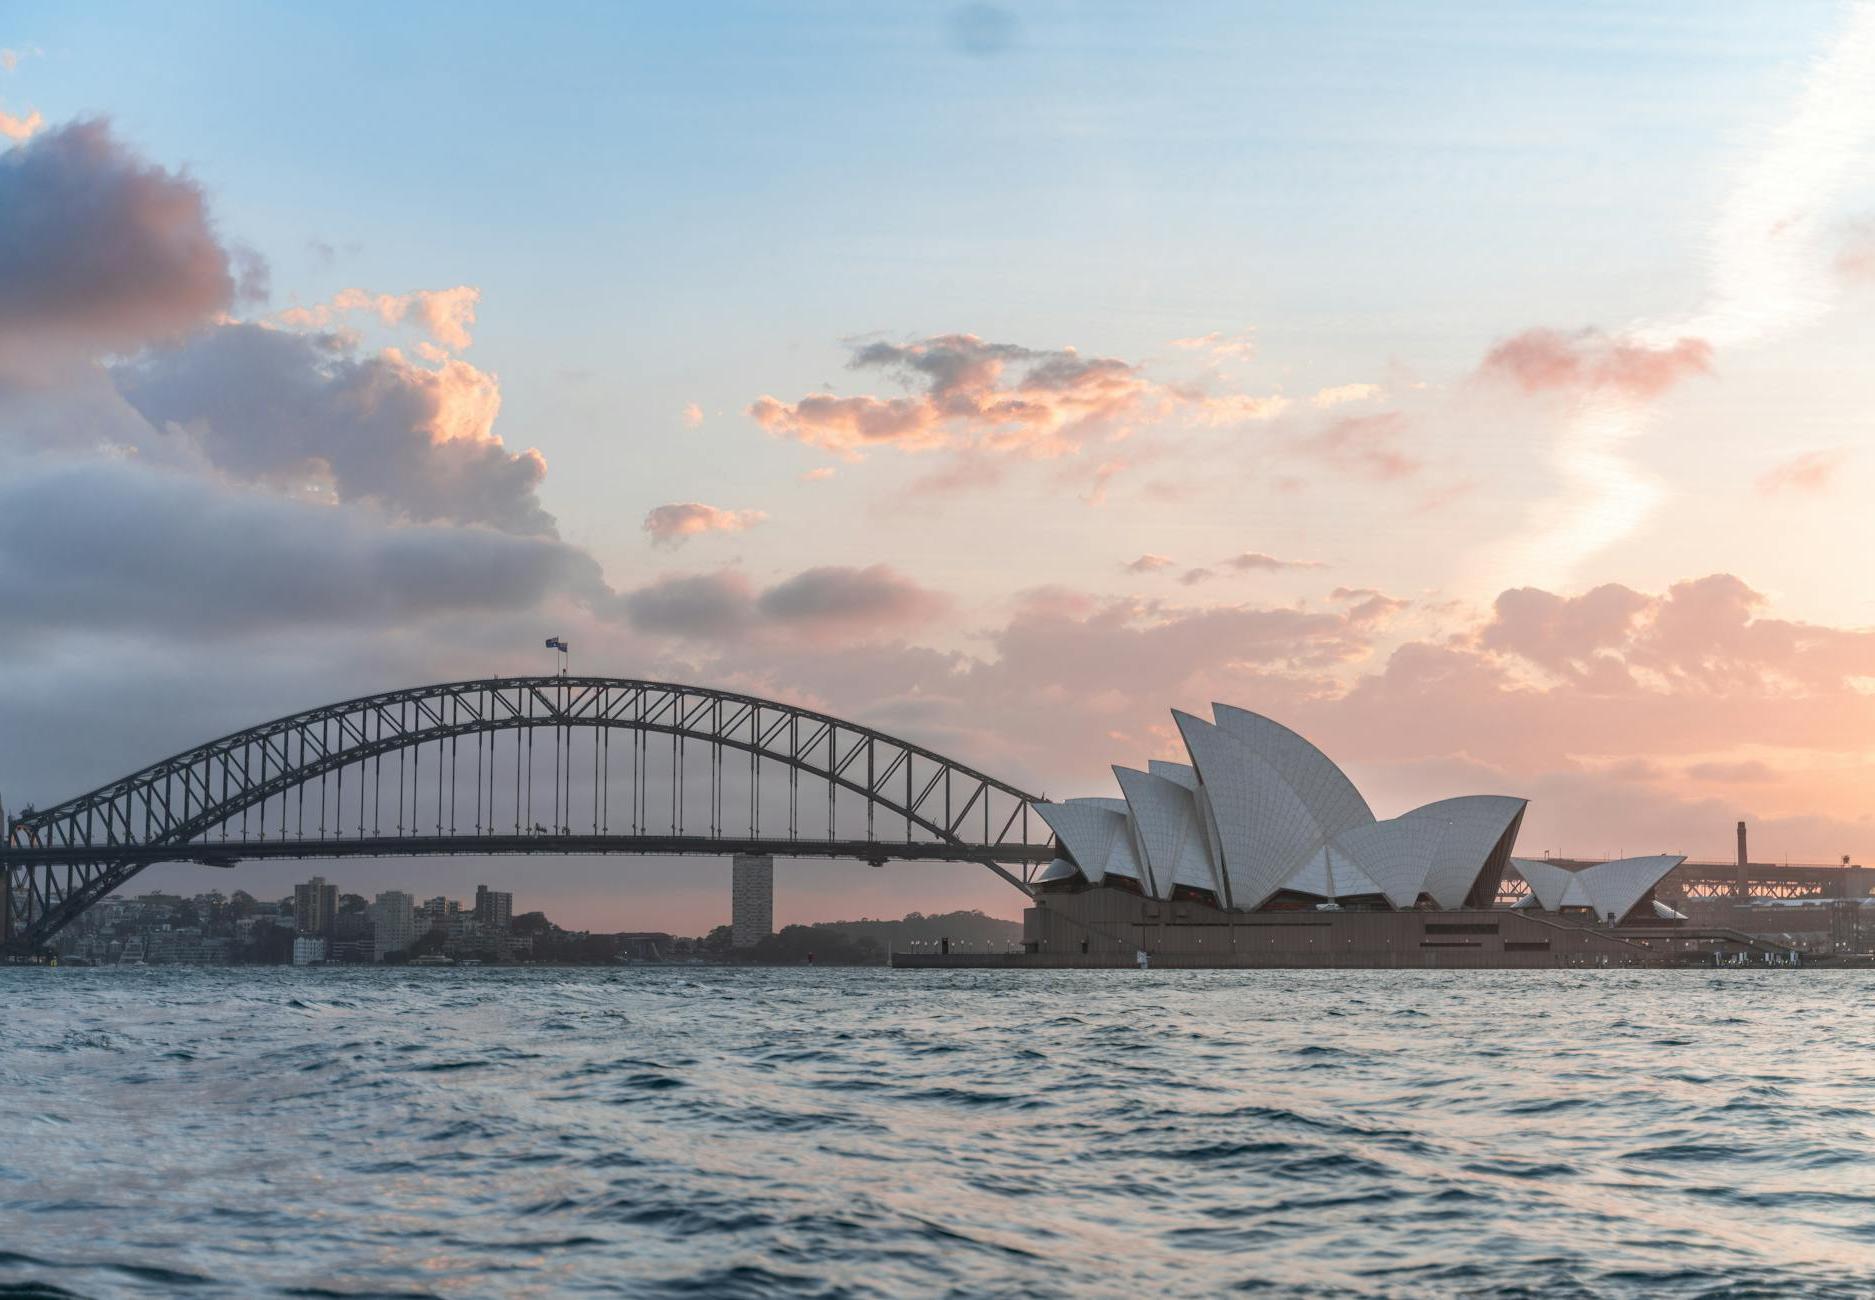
249 794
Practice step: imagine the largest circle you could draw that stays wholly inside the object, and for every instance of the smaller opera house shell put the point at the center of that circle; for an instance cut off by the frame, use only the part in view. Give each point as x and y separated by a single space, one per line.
1261 825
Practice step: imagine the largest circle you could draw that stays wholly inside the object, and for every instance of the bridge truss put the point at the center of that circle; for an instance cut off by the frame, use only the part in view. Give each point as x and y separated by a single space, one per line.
520 765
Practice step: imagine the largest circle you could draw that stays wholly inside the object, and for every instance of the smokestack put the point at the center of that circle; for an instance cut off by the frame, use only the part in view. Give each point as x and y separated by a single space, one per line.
1741 890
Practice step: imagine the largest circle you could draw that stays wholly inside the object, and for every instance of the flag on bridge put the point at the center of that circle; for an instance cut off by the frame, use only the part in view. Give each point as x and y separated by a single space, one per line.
555 643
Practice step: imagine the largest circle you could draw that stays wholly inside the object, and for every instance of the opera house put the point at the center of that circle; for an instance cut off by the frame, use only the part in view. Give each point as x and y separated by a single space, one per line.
1261 852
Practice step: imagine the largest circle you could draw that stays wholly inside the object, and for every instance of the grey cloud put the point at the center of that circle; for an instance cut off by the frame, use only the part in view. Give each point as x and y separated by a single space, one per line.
116 547
836 594
268 405
829 601
701 606
100 251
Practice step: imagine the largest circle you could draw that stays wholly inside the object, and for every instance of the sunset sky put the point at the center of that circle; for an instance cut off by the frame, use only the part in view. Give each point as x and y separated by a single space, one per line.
1482 390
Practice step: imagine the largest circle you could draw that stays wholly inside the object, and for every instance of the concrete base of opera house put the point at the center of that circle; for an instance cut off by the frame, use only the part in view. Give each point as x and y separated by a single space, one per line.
1107 928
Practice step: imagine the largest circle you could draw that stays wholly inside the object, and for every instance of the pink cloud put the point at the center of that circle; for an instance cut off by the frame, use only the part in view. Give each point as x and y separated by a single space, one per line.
447 314
1743 772
1855 259
994 397
692 415
1148 563
1364 445
1366 606
1342 394
17 128
1540 360
1520 701
1257 561
1808 473
1239 347
670 525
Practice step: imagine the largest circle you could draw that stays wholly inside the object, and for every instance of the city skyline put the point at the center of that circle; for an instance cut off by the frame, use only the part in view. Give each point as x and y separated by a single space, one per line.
1516 446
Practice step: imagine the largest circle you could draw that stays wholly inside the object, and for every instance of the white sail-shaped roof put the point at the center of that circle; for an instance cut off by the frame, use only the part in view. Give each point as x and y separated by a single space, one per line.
1615 887
1059 869
1396 855
1438 850
1336 805
1260 809
1331 874
1167 819
1088 831
1180 773
1471 827
1607 887
1266 829
1548 882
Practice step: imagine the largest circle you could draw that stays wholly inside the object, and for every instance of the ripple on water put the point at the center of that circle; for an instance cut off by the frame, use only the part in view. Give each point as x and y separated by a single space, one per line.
698 1132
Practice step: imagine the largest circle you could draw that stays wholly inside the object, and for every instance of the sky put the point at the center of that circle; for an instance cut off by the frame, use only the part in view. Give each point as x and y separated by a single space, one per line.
1480 390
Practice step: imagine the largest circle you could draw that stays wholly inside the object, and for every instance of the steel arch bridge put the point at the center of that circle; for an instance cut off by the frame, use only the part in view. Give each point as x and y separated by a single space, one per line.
474 767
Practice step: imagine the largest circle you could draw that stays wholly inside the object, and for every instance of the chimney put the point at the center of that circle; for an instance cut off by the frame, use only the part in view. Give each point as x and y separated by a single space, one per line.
1742 889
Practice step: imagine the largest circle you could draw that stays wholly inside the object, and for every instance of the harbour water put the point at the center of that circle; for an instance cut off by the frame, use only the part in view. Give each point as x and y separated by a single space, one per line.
738 1132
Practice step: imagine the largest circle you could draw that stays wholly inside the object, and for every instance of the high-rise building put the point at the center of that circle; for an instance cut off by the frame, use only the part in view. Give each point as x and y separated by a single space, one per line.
436 914
493 908
752 899
394 923
315 906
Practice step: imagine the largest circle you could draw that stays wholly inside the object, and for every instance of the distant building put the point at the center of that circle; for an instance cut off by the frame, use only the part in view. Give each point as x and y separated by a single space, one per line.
493 908
437 914
315 906
352 940
752 899
309 950
393 923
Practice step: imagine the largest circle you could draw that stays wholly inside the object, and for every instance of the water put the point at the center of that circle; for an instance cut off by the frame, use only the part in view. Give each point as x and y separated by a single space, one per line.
706 1132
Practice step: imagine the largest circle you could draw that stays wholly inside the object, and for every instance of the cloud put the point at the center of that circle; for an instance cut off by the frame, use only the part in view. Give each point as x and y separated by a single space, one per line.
1366 606
117 547
270 406
1221 345
1807 473
446 314
1001 397
1744 772
100 251
1344 393
982 30
1768 274
1148 563
818 474
1192 577
11 59
964 472
838 597
1363 445
1257 561
17 128
702 606
1539 360
669 525
691 415
832 602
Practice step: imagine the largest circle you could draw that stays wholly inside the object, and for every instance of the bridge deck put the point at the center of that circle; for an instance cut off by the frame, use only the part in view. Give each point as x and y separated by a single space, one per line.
227 853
